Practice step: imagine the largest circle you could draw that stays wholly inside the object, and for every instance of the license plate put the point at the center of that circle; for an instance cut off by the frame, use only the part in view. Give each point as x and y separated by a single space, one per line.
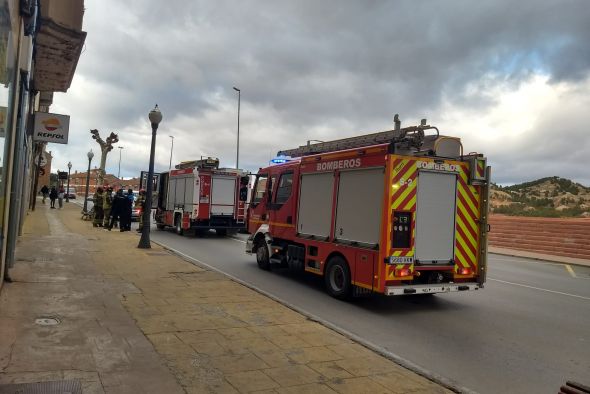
401 259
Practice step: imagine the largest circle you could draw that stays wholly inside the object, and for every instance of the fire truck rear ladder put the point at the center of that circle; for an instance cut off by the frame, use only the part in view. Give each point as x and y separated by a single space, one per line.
413 134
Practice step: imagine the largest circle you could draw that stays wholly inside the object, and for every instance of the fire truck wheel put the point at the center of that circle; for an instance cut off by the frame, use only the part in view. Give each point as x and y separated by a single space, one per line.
337 278
160 226
178 225
262 257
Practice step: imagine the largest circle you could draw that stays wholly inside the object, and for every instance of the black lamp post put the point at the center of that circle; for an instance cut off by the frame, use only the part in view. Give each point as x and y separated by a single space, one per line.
238 147
90 156
68 189
155 117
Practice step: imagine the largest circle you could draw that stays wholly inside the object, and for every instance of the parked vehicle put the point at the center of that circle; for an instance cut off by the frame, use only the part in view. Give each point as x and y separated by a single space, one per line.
397 212
71 192
199 195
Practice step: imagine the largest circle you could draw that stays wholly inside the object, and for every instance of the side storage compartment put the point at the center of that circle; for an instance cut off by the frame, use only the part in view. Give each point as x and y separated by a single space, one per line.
315 204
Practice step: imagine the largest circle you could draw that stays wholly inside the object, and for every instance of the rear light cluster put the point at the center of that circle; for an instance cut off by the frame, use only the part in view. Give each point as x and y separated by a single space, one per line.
403 272
465 271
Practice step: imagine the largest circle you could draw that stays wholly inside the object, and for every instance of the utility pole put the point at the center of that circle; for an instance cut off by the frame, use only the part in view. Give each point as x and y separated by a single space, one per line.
238 145
171 150
119 172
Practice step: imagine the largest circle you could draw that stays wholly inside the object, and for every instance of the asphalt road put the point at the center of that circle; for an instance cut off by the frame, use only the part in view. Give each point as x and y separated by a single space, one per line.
528 331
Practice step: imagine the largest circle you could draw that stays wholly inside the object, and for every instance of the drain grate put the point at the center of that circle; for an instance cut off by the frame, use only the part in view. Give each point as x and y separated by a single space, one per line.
47 321
56 387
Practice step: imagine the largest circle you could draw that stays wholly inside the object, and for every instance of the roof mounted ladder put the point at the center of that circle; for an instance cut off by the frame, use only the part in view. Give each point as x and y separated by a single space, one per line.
414 135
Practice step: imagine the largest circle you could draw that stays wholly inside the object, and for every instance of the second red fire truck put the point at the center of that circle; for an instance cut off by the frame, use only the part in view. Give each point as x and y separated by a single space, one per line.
199 196
397 212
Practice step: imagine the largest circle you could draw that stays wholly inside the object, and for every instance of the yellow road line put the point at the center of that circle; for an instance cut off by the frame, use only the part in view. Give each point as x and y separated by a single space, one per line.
570 270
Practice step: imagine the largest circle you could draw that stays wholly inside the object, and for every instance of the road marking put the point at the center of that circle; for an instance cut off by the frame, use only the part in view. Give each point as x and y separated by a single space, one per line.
540 289
237 239
570 270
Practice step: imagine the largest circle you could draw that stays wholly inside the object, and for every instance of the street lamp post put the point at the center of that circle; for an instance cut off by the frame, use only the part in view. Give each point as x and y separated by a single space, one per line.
171 150
68 189
155 117
238 146
119 172
90 156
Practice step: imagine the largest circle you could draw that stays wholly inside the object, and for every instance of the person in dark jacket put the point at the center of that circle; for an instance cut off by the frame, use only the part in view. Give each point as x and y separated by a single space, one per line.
127 211
45 192
53 196
119 202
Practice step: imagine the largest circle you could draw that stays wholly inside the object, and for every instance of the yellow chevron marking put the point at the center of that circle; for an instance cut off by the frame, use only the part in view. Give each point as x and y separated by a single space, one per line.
462 259
468 201
409 189
463 243
410 203
469 221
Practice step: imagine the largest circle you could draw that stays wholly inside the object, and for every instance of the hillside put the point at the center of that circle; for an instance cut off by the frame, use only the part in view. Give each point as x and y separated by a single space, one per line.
546 197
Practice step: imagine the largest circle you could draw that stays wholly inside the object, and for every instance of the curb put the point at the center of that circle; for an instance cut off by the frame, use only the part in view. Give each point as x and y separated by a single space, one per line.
433 377
545 258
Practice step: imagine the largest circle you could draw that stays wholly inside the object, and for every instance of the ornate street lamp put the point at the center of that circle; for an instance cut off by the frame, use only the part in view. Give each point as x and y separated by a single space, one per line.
90 156
68 189
155 117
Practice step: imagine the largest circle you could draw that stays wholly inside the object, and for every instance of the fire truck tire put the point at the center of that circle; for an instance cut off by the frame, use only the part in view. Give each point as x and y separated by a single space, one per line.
160 226
178 225
337 278
262 257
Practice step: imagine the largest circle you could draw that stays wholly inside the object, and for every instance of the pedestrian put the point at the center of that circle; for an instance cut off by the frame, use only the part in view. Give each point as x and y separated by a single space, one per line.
97 199
127 211
53 196
60 197
107 203
140 203
116 209
44 192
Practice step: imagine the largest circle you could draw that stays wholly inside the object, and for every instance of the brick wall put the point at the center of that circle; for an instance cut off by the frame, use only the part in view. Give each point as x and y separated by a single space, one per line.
558 237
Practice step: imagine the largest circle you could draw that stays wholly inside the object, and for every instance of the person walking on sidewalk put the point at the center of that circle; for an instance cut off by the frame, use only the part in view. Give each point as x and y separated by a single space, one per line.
44 192
117 208
140 203
60 197
97 199
107 203
53 196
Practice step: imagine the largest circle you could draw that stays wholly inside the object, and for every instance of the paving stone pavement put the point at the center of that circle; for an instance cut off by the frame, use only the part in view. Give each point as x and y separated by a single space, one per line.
146 321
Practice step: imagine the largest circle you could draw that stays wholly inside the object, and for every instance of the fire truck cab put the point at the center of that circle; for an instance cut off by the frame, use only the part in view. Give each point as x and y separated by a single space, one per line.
397 212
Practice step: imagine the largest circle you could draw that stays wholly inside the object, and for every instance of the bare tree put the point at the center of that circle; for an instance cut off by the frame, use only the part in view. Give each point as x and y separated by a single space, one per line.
105 148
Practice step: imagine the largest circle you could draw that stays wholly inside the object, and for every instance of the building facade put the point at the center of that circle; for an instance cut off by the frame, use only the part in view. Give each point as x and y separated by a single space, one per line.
40 44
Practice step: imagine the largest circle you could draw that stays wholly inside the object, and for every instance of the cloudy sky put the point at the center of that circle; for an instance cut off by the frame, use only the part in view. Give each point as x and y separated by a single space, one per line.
512 79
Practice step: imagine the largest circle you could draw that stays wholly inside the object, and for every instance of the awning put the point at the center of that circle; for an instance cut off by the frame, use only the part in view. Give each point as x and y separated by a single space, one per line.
58 49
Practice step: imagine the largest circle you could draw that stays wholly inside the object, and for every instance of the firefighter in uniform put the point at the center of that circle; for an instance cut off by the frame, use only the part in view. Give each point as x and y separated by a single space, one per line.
107 204
97 199
140 203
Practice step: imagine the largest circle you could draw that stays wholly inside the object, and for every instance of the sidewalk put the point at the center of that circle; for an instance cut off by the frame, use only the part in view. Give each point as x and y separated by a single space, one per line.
137 321
538 256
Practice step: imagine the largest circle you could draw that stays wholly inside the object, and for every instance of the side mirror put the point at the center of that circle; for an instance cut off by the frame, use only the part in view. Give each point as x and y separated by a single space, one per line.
243 193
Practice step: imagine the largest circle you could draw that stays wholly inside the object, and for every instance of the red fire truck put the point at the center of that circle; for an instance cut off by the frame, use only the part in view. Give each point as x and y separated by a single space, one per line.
397 212
198 195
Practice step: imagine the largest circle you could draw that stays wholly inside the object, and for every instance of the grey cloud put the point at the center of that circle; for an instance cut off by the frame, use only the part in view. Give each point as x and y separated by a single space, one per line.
331 67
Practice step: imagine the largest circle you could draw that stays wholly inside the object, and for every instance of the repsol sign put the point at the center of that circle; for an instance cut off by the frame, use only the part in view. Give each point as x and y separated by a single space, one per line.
51 135
338 164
